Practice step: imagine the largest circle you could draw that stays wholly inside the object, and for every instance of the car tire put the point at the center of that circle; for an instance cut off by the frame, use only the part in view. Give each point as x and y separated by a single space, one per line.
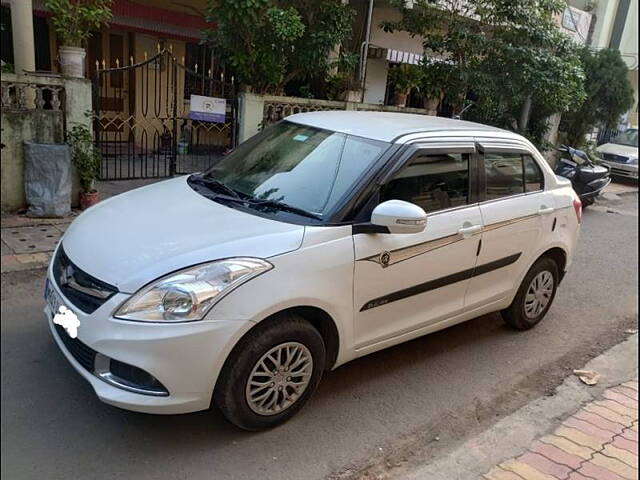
533 300
299 348
587 202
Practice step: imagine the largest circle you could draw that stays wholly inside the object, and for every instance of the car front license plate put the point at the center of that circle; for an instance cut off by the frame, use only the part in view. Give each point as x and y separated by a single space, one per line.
52 298
60 313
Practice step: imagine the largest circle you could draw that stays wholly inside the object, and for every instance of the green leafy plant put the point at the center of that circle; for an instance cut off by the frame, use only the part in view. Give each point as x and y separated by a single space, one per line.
609 95
73 20
406 77
512 63
270 43
343 78
84 156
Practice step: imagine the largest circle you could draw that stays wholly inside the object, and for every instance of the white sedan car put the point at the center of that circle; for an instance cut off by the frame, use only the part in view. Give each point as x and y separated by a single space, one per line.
326 237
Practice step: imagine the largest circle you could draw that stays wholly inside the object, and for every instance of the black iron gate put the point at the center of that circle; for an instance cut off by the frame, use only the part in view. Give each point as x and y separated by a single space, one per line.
142 122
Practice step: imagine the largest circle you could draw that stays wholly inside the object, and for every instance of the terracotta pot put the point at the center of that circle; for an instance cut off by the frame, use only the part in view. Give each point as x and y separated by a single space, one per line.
88 199
400 99
71 61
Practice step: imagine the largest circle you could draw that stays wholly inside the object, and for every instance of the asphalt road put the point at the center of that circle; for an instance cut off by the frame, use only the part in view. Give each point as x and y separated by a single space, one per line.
412 401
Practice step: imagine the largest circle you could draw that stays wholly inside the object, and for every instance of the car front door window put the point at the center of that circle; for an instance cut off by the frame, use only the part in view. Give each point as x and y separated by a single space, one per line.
431 181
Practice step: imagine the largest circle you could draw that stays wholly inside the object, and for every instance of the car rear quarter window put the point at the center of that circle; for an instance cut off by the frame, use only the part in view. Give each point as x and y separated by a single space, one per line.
431 181
533 178
505 175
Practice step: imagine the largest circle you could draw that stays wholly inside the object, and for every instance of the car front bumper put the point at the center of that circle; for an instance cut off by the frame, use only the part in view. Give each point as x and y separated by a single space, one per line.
622 169
185 358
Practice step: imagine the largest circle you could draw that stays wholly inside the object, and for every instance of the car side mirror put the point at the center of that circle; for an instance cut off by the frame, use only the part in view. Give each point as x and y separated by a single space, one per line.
399 216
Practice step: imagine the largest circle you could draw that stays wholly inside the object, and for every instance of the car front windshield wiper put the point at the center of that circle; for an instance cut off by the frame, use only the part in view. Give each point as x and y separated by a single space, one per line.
282 206
232 195
216 185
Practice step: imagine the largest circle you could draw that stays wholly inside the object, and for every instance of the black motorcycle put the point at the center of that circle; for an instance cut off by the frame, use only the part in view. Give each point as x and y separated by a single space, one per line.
587 178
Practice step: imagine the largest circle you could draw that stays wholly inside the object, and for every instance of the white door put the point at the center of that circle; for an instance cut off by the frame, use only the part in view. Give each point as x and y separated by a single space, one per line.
404 282
517 213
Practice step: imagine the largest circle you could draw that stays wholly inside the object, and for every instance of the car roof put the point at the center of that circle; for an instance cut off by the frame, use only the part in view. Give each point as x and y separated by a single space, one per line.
386 126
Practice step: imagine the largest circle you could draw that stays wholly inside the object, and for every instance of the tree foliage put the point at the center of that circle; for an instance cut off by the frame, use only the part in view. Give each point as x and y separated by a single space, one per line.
609 95
73 20
268 43
498 55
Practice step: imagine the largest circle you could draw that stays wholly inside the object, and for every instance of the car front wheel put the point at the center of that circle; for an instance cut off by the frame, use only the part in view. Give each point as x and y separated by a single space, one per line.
271 373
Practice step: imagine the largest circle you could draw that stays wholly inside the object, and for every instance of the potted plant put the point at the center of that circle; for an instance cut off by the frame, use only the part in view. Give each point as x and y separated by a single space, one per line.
405 77
343 84
86 158
431 89
73 21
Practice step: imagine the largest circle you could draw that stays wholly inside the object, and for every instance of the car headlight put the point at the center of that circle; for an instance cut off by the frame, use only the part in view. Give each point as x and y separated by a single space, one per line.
188 294
633 161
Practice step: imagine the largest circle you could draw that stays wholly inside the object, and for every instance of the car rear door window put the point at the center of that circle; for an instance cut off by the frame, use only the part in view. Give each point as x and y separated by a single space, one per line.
505 175
533 178
431 181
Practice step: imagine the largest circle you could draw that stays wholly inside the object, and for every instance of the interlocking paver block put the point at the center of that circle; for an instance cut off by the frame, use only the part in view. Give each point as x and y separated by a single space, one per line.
578 476
628 392
497 473
623 455
527 472
610 415
581 438
618 408
616 466
600 422
630 435
32 258
568 446
590 429
625 444
622 399
9 259
557 455
632 384
544 465
597 472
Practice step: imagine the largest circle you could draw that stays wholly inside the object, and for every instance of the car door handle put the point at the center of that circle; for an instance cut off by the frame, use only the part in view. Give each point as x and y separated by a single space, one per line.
466 232
544 210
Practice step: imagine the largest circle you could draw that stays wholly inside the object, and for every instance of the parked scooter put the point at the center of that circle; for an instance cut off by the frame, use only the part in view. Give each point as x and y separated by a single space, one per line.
587 178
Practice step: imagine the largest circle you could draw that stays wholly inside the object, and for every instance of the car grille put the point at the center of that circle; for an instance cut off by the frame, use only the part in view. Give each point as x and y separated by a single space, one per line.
83 354
81 289
623 173
615 158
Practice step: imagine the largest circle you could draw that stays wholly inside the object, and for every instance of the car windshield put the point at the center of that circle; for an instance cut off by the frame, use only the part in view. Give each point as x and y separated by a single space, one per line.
298 166
628 137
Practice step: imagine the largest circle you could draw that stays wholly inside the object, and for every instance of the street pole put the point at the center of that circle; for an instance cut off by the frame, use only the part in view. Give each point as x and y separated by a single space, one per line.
364 51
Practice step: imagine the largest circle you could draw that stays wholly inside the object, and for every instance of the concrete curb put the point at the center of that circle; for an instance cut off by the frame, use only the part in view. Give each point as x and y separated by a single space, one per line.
514 434
24 261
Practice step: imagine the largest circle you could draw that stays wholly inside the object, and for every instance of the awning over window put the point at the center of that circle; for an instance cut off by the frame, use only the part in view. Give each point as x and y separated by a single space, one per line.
398 56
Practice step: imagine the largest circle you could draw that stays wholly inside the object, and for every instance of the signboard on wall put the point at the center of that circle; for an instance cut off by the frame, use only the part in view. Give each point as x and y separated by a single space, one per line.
207 109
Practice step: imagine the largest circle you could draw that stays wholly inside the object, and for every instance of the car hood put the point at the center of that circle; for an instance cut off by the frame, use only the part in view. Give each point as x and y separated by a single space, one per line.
616 149
134 238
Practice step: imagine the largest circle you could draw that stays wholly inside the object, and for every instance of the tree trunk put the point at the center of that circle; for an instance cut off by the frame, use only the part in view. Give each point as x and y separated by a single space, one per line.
525 113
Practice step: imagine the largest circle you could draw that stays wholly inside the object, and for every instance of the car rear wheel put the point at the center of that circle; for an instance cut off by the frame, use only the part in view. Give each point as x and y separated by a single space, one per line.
271 373
534 297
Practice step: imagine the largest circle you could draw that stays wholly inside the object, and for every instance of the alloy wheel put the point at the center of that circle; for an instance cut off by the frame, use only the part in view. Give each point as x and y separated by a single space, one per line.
279 378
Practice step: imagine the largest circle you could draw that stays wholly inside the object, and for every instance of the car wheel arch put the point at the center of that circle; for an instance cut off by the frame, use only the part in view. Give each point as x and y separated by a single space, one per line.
322 321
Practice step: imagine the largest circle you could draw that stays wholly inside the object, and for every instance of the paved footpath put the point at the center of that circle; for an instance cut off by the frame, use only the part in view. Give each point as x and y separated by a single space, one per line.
599 442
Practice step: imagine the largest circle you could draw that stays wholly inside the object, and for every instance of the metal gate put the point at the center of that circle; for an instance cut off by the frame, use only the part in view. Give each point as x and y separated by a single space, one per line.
142 124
